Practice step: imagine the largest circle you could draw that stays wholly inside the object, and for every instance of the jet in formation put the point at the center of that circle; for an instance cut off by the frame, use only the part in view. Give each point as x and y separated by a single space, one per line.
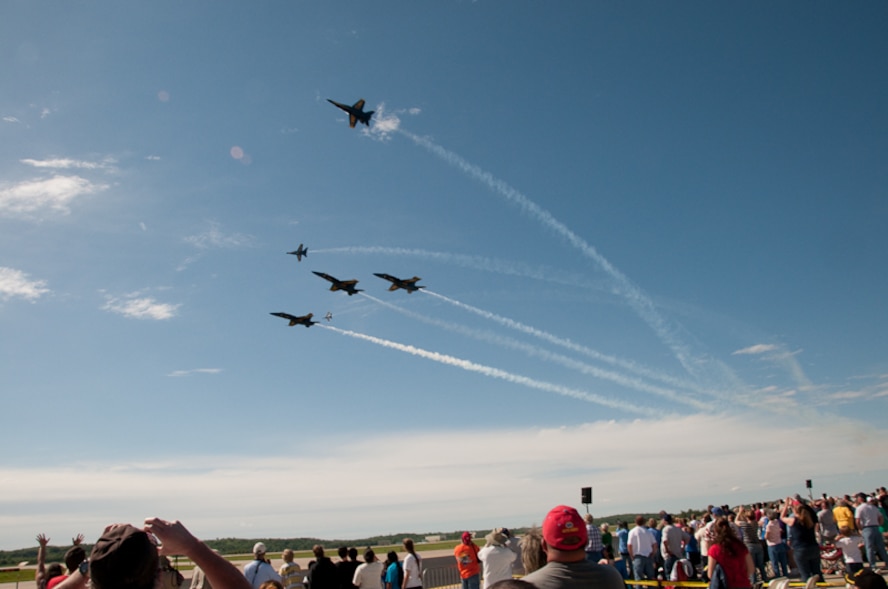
355 112
408 284
300 252
328 316
294 320
346 285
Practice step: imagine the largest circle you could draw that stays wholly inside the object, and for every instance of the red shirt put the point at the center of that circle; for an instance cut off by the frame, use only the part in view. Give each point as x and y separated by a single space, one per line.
733 566
55 581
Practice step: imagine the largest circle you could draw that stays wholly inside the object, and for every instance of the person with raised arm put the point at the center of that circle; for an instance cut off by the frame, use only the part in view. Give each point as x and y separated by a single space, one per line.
176 539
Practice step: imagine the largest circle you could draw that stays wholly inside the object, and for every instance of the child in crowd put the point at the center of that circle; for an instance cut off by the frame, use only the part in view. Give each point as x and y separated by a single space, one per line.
620 565
851 543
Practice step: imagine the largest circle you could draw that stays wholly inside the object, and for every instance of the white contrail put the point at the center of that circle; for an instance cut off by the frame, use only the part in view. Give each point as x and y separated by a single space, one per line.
511 268
568 344
475 262
642 305
582 367
501 374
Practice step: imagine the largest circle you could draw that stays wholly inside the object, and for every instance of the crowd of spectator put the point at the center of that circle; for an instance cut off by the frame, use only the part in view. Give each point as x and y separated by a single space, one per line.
732 548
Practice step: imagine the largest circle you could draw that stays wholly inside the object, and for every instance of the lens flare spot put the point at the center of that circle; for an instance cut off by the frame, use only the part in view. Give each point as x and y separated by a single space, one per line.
237 152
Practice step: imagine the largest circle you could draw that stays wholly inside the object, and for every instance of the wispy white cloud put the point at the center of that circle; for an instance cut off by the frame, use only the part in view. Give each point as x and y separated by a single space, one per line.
755 350
11 119
65 163
16 284
425 488
215 238
177 373
871 387
30 197
785 359
136 306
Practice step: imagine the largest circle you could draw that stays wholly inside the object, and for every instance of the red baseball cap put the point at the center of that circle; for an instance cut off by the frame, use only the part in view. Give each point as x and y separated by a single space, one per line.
564 529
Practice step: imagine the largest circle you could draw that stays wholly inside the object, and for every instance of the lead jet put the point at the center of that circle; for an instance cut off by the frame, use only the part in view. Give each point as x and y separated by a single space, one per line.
408 284
346 285
300 252
355 112
294 320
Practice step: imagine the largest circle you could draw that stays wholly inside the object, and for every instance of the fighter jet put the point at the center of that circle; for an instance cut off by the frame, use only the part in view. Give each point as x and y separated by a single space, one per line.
408 284
328 316
304 320
300 251
346 285
355 112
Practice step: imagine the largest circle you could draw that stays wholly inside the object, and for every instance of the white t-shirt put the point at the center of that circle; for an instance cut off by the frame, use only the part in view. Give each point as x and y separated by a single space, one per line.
850 548
411 570
497 563
369 575
642 541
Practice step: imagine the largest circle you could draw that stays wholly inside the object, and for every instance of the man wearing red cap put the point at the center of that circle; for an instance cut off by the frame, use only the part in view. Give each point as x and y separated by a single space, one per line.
564 542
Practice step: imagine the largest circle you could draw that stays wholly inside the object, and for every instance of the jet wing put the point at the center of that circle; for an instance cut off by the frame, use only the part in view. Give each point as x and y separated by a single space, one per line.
394 286
359 105
352 120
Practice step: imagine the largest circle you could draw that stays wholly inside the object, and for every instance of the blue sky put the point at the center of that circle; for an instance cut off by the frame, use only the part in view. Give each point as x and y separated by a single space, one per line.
652 237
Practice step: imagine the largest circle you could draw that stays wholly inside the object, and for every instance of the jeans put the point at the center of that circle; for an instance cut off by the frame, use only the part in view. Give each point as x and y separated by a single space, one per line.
593 556
777 554
808 560
758 559
643 567
668 563
875 545
473 582
624 556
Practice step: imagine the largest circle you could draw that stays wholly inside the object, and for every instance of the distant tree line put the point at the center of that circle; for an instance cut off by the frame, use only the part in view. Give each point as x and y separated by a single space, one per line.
11 558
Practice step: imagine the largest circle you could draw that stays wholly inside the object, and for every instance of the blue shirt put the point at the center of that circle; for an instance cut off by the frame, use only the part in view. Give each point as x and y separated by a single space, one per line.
623 536
391 576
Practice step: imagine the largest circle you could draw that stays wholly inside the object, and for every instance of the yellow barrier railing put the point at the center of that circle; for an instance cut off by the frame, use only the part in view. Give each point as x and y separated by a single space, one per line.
659 584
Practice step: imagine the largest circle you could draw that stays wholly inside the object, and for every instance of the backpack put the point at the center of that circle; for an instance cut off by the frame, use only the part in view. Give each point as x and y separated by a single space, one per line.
718 580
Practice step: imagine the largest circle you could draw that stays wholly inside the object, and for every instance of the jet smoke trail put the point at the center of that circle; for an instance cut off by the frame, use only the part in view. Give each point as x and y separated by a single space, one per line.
566 343
497 373
476 262
503 267
620 379
642 305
